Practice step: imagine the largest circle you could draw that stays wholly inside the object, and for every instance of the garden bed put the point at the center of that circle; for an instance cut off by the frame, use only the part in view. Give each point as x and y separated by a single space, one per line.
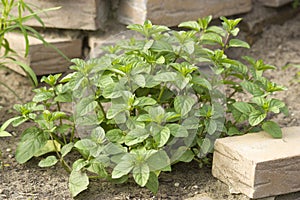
279 45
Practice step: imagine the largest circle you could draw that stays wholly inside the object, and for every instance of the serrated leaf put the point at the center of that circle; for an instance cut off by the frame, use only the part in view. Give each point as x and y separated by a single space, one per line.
48 162
238 43
78 182
122 168
141 174
273 129
85 106
136 136
184 104
115 109
33 139
162 137
243 107
256 117
252 88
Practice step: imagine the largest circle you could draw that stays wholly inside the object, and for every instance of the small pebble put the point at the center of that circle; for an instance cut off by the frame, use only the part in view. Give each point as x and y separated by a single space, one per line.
195 187
176 184
8 150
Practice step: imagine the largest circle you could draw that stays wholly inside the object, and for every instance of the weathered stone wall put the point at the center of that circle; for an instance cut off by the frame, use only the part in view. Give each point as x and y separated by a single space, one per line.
96 22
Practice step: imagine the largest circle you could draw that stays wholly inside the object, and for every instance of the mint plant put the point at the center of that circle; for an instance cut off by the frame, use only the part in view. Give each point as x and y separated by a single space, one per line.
147 104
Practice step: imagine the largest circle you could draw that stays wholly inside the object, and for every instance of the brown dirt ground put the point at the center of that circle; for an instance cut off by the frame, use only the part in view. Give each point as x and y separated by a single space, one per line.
278 45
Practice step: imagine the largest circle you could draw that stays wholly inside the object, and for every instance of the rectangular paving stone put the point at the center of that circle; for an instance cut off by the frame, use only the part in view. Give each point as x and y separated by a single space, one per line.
258 165
79 14
172 12
42 59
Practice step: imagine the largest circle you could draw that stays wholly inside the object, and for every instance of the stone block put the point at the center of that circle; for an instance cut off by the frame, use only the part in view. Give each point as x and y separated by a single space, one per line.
114 34
172 12
45 59
258 165
79 14
275 3
260 17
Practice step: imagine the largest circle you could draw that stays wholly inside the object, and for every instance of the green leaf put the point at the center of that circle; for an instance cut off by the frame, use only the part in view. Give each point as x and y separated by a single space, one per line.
256 117
66 149
42 95
115 135
123 167
79 164
193 25
212 37
48 162
98 135
187 156
162 137
158 161
212 127
140 80
32 140
78 182
202 82
141 174
86 105
243 107
273 129
29 72
252 88
8 122
97 167
275 105
144 101
165 77
177 130
152 183
157 113
115 109
233 131
238 43
4 133
50 146
206 146
136 136
184 104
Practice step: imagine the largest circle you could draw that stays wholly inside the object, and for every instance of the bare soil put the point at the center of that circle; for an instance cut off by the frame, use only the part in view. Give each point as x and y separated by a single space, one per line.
278 45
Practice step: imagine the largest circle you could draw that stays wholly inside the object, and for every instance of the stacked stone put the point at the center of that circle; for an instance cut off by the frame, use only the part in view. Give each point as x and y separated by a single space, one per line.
97 22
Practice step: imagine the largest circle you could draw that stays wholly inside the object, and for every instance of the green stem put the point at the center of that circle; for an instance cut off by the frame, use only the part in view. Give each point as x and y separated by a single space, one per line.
161 93
62 161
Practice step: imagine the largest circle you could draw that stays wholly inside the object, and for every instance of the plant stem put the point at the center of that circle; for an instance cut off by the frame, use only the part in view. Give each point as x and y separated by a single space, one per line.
161 92
62 161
